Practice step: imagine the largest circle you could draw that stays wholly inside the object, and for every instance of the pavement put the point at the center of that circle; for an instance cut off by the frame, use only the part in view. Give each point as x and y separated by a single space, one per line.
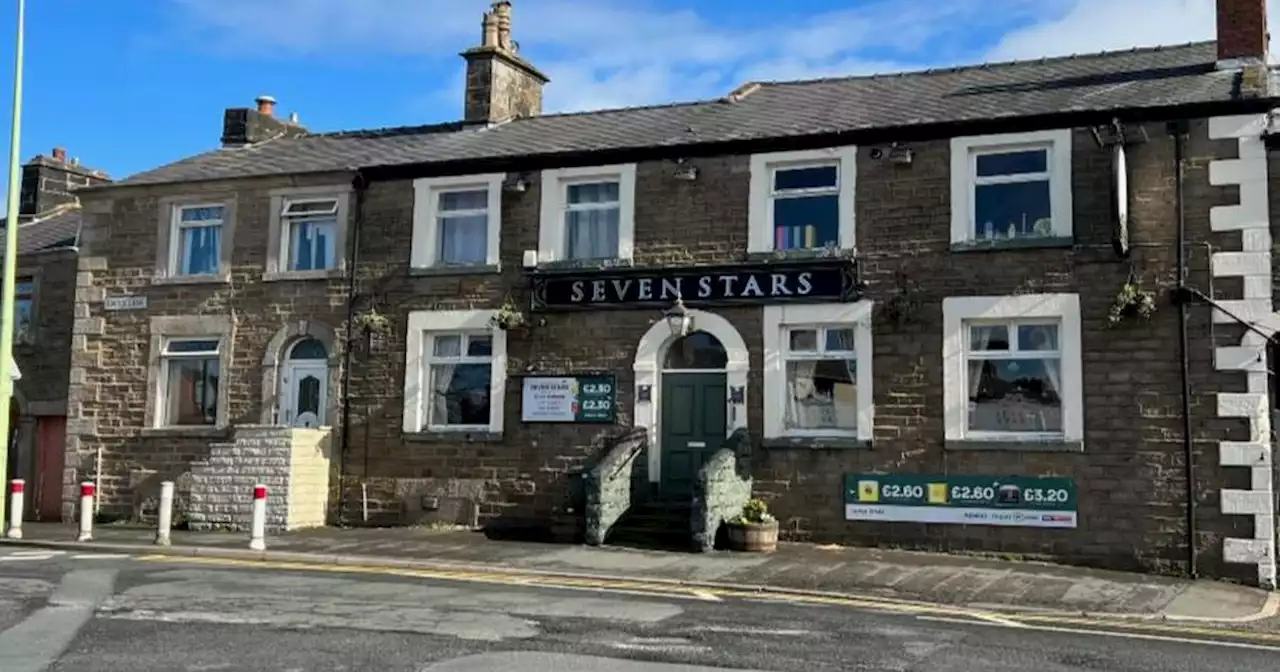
981 584
65 610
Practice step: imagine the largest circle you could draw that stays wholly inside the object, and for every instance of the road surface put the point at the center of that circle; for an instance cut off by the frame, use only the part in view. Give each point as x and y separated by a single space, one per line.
98 613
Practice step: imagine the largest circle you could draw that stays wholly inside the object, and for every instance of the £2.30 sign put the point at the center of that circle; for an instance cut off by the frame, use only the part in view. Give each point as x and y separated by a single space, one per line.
586 399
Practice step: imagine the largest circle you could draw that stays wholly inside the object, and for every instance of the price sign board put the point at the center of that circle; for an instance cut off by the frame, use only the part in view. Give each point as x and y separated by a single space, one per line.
1015 501
585 399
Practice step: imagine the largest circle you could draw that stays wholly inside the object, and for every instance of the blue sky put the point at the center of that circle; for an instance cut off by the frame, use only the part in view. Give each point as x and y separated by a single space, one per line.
130 84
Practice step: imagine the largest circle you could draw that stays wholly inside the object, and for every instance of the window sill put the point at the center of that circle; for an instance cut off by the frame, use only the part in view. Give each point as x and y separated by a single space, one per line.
1017 445
817 443
218 279
585 264
322 274
1013 244
803 254
195 432
453 437
457 269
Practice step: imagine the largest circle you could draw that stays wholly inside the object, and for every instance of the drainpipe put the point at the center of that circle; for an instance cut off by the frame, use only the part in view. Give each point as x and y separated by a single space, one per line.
1179 131
359 183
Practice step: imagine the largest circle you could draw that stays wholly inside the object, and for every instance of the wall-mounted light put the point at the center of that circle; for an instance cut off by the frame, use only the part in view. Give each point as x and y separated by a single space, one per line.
515 184
685 171
678 318
900 154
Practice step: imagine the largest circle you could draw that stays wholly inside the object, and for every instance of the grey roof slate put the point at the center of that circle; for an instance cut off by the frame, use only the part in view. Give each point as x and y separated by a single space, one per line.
58 228
1152 77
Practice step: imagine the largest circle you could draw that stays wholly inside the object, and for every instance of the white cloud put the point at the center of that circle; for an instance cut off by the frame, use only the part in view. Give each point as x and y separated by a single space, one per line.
1099 25
610 53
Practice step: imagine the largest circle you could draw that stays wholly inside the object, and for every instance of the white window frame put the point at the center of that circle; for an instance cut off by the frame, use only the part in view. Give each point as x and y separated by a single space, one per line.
777 320
760 236
162 389
424 251
552 242
423 325
176 225
25 335
959 311
964 160
287 221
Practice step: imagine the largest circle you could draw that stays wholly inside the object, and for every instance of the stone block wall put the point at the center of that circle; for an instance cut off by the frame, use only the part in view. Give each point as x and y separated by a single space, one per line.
723 488
222 484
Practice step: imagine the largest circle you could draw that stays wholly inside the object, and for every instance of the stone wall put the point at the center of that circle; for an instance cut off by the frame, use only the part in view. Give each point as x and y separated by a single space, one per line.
45 357
615 483
723 488
222 485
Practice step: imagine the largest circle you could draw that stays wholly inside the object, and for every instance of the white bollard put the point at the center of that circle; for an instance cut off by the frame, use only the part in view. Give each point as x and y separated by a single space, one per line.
16 488
166 514
258 530
86 511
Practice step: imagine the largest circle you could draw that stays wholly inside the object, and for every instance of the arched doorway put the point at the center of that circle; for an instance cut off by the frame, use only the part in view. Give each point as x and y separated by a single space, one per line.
304 384
693 417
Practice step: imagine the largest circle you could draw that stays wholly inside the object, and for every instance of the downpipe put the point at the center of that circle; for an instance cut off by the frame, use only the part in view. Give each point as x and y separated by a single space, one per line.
1179 132
360 184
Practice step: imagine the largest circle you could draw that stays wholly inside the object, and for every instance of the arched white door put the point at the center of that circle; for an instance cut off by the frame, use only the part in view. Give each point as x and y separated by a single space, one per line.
304 384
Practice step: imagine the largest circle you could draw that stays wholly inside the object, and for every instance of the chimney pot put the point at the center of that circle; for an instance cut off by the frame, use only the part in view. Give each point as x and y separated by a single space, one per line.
1242 32
60 154
502 12
266 105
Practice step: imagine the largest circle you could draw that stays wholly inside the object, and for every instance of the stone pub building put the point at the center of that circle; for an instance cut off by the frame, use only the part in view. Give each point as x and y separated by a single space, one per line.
1016 307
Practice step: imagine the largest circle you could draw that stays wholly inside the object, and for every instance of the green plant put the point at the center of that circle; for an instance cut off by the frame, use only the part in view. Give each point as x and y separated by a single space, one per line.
371 321
508 317
1131 301
756 512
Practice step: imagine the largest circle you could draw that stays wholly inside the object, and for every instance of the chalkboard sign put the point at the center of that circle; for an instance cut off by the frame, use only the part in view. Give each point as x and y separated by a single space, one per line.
585 399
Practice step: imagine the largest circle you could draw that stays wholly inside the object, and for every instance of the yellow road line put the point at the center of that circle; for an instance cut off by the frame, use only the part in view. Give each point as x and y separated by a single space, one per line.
656 589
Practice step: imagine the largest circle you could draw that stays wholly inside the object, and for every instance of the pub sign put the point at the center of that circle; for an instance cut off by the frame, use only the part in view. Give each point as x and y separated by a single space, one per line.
825 281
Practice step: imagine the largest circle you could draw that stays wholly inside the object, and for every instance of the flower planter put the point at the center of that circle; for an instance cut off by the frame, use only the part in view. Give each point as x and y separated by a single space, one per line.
754 537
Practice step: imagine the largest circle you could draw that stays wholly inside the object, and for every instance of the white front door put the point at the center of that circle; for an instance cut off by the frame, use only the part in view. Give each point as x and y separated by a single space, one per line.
305 393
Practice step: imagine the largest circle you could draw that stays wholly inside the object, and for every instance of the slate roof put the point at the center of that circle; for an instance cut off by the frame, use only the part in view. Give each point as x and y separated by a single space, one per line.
1139 78
59 228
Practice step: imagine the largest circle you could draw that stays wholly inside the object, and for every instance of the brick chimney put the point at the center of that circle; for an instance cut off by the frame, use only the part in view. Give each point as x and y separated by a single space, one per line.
500 84
248 125
1242 32
48 182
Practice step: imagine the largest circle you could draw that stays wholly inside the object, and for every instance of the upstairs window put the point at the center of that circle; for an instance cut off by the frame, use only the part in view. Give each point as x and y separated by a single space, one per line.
310 227
24 308
588 214
196 240
593 214
802 200
806 207
1011 188
457 222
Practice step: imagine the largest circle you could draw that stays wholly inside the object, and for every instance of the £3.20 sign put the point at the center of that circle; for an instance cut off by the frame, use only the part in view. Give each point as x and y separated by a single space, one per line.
588 399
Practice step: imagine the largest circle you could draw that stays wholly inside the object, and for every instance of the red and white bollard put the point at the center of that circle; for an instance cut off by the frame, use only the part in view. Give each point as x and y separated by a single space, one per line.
16 488
166 514
258 527
86 511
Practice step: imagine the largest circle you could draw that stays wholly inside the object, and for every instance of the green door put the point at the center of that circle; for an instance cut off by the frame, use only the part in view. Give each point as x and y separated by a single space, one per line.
692 425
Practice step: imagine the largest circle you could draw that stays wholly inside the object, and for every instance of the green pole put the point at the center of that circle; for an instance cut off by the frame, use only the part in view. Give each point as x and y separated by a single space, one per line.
10 260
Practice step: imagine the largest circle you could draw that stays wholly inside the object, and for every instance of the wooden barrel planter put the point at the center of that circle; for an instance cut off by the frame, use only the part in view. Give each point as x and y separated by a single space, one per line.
754 537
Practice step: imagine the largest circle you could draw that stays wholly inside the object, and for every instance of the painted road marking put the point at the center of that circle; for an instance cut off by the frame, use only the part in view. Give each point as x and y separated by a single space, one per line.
99 556
1121 633
1115 626
34 644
